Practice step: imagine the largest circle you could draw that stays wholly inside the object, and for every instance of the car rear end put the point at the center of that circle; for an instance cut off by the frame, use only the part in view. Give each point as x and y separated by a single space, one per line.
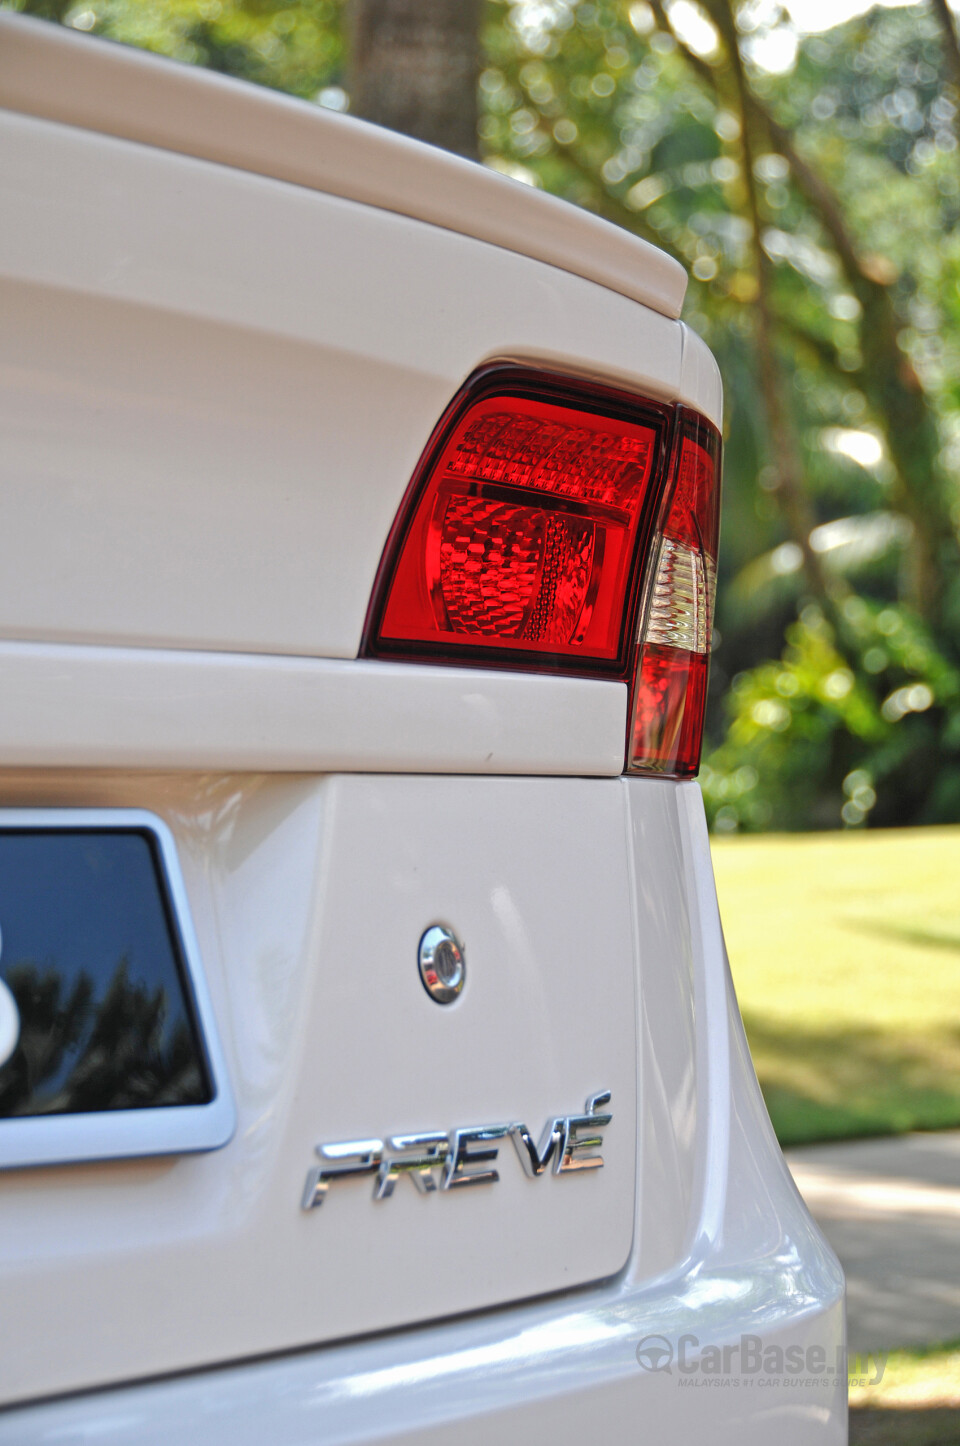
358 556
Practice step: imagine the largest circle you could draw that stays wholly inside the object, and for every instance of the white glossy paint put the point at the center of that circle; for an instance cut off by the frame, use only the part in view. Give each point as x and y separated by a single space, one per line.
54 73
69 706
213 391
700 376
309 898
229 327
741 1256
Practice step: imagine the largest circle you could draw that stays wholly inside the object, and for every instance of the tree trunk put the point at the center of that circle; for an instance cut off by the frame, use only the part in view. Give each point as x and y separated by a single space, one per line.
414 66
887 377
950 41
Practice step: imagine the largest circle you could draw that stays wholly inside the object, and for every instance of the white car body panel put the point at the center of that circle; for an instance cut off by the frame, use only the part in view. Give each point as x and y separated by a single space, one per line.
216 390
330 1035
70 706
60 75
230 323
723 1245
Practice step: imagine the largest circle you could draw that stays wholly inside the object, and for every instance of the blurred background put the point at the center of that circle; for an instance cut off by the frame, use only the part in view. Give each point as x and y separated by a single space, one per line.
802 161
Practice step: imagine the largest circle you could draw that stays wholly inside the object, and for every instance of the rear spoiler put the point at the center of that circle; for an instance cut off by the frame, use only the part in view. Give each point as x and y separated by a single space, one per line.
54 73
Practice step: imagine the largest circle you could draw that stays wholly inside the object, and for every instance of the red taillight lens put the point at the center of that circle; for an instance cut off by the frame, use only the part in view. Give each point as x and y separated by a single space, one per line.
673 651
518 541
526 536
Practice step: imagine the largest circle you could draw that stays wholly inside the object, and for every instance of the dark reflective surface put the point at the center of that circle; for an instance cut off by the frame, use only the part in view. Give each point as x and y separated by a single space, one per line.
87 949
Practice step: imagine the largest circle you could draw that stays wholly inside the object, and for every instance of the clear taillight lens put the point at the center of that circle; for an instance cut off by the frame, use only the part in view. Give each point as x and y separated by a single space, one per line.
549 525
673 650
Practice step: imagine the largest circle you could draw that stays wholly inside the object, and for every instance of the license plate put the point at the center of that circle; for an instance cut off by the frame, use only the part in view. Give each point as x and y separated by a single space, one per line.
108 1045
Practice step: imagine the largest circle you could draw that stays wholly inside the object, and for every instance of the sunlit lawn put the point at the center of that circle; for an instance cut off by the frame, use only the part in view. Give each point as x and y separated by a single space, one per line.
845 950
915 1403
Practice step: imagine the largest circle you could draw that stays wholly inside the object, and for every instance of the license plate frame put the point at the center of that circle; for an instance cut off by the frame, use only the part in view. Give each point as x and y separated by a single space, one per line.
117 1132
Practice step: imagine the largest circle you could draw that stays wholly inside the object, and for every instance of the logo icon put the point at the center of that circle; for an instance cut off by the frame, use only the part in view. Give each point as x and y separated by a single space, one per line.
9 1021
655 1353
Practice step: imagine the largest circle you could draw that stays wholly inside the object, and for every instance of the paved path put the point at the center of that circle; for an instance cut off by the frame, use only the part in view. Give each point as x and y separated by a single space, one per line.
891 1210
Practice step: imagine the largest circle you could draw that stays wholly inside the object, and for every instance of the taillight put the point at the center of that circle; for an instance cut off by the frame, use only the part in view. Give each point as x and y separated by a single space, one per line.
523 538
673 648
518 542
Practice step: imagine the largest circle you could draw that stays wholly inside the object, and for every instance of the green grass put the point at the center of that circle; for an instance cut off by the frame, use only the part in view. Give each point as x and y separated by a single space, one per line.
845 950
924 1376
915 1403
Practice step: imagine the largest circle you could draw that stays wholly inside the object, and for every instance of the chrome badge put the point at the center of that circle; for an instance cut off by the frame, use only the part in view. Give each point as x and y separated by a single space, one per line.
438 1160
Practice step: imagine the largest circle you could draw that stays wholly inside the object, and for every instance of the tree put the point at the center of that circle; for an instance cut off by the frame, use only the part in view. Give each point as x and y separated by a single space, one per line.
818 214
413 66
817 206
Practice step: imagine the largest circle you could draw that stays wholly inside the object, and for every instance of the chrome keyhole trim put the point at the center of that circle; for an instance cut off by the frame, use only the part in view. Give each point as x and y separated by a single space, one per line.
443 966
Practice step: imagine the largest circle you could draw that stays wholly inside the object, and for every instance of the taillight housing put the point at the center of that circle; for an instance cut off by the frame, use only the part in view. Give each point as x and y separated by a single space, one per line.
524 541
669 689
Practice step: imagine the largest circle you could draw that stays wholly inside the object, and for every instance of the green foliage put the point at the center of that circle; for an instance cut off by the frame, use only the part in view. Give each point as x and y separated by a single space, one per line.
602 104
817 206
290 45
821 737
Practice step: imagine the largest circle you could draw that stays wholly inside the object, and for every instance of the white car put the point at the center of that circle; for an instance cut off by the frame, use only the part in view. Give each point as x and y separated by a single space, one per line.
372 1070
